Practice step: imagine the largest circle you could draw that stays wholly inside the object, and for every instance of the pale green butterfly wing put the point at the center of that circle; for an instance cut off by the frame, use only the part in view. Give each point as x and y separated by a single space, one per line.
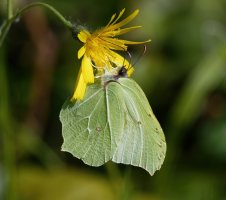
92 128
143 142
115 122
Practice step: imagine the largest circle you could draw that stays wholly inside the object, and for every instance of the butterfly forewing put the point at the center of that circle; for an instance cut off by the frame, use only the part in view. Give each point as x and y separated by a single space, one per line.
143 142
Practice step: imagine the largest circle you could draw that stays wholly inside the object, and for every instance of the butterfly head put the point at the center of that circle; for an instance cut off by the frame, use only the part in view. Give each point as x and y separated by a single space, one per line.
122 73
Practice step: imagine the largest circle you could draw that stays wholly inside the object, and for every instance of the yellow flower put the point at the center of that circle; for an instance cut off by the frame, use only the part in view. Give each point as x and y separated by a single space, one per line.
99 50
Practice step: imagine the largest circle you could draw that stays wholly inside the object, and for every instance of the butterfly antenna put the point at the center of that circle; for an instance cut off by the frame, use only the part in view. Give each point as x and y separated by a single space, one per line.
138 58
130 59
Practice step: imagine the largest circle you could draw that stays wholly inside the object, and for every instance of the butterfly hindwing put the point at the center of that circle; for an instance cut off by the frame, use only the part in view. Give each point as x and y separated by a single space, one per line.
92 127
143 143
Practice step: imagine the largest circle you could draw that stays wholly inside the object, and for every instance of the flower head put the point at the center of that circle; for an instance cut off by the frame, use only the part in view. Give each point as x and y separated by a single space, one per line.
99 50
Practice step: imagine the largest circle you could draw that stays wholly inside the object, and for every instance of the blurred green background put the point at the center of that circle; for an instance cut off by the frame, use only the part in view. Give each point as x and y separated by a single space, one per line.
183 74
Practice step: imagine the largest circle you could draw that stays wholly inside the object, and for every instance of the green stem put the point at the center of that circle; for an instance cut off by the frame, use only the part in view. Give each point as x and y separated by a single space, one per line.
67 23
9 9
4 29
115 178
127 185
7 135
5 118
122 185
11 18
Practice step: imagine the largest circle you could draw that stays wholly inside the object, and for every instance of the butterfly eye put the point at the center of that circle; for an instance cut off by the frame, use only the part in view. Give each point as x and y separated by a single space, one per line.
122 72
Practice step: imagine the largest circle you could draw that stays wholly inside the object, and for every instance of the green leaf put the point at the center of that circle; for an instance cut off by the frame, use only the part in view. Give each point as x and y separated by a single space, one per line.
113 122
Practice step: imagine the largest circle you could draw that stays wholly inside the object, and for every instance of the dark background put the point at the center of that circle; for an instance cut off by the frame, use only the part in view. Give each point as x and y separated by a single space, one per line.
183 74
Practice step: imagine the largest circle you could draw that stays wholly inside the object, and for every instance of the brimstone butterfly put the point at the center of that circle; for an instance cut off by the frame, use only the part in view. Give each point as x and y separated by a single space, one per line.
113 122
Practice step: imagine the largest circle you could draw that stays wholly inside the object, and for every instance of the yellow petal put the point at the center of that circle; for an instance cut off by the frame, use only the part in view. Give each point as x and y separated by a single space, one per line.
132 42
118 44
81 52
80 87
129 67
123 22
83 35
115 43
130 70
87 70
112 18
126 30
113 33
119 16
